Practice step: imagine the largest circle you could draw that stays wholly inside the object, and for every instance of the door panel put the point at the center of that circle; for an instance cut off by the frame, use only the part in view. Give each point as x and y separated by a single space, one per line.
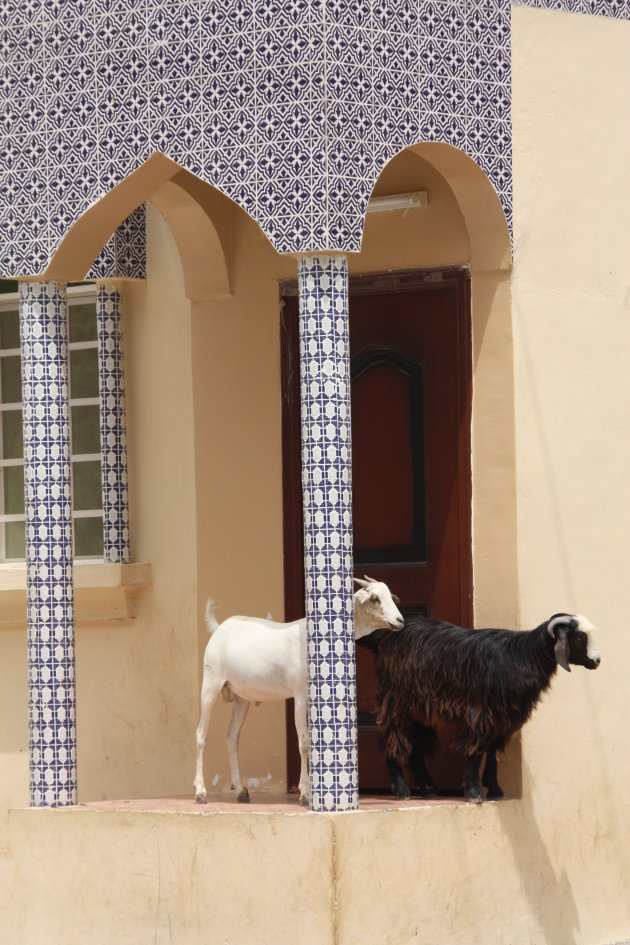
411 395
388 453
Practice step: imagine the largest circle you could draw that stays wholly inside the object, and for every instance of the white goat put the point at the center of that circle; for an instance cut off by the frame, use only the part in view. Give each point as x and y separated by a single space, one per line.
249 659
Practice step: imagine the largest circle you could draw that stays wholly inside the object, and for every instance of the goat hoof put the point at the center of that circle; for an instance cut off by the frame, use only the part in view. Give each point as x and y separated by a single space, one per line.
428 790
243 796
474 795
201 799
494 792
303 800
402 795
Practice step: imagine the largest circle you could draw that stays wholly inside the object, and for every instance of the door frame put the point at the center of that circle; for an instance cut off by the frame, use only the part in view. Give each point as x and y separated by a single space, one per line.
377 283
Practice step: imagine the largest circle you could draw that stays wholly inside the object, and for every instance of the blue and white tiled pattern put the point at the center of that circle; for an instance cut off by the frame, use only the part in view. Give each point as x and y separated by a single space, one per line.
124 256
327 488
619 9
50 594
292 109
111 381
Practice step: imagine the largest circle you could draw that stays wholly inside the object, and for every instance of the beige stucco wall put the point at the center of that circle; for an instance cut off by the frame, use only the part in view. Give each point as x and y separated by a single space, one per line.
456 874
572 348
134 696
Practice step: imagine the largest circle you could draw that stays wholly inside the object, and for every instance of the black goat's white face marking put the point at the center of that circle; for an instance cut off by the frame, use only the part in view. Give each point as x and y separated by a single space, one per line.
580 648
575 643
584 632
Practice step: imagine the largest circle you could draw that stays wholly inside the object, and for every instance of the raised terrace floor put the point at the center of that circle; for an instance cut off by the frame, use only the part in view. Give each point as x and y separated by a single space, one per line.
265 803
168 870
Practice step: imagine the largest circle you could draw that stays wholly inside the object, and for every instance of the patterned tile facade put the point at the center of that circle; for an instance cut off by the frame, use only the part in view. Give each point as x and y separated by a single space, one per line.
291 112
292 109
111 382
619 9
327 488
50 594
124 256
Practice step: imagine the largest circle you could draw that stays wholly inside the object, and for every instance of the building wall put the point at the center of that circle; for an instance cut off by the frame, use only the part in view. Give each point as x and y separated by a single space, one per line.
134 695
571 344
550 441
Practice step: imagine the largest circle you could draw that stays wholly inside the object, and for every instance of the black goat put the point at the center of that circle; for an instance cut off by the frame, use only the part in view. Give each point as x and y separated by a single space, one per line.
487 681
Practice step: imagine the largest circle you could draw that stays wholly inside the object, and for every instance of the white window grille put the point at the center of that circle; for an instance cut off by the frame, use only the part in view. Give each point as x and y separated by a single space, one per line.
87 508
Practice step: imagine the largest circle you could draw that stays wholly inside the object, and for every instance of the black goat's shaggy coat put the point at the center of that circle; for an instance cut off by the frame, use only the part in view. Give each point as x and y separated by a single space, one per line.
487 681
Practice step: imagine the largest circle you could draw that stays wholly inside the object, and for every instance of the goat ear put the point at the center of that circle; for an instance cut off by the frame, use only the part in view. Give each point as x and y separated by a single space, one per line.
395 599
361 596
561 650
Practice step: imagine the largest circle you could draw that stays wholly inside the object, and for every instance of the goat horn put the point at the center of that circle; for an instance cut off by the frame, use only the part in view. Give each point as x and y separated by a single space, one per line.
360 582
562 619
371 580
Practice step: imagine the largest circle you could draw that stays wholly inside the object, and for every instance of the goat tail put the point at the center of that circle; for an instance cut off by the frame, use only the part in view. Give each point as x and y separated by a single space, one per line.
211 621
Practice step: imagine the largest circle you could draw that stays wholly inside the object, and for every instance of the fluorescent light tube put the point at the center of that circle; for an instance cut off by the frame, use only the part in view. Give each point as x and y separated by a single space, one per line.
419 198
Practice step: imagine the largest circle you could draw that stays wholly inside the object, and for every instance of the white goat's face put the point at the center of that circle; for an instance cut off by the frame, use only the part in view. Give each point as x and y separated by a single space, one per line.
378 610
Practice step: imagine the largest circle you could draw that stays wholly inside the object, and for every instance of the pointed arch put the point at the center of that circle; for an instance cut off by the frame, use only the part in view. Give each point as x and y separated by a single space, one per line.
488 229
479 204
199 218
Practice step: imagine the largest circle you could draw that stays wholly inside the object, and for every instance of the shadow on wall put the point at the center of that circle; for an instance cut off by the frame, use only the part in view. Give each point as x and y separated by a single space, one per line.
550 896
13 693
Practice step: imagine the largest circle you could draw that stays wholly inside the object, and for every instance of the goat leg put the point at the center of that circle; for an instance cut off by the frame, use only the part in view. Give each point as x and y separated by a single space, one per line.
420 773
472 784
400 788
209 691
301 725
489 779
396 748
424 745
240 708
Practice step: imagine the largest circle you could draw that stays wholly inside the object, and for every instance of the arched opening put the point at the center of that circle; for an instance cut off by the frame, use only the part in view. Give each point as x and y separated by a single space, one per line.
198 215
206 445
464 228
137 678
433 284
203 440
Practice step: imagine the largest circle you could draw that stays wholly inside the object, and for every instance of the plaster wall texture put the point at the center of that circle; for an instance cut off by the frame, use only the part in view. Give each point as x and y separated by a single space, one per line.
456 874
571 348
187 879
134 686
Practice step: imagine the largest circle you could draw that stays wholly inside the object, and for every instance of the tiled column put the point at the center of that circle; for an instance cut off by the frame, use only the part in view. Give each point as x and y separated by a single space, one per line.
327 486
50 593
111 381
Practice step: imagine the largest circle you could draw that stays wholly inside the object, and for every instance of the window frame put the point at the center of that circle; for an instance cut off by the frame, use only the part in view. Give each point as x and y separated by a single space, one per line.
76 295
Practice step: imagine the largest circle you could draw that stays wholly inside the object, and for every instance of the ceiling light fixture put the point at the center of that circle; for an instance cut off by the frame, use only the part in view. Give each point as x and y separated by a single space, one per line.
419 198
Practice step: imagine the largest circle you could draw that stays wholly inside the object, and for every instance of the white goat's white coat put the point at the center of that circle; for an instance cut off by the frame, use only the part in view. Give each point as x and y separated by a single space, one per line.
254 660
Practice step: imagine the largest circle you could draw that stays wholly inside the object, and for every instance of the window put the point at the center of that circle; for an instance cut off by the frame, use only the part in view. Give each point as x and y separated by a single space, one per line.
85 438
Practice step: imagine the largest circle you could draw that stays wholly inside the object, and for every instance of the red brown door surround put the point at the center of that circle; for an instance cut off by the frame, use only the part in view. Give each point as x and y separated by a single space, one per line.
410 352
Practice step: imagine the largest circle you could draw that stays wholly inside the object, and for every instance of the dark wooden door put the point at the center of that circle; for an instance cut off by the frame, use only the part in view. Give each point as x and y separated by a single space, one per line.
411 396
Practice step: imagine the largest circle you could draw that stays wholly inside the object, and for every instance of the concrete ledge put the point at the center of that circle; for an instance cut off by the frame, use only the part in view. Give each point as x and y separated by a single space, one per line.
103 592
91 876
414 873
